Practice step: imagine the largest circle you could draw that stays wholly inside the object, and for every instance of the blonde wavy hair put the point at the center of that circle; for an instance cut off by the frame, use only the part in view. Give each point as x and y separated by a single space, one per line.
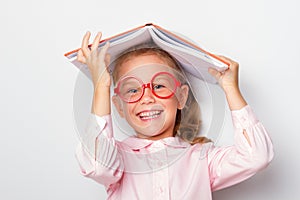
188 120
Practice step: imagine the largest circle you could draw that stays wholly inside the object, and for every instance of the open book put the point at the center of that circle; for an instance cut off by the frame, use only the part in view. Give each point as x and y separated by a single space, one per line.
192 58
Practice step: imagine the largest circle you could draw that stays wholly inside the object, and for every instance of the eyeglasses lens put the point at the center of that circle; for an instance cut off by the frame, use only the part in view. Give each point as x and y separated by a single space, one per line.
163 86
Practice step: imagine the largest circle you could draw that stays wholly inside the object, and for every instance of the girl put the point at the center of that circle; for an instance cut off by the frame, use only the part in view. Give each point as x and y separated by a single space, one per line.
164 160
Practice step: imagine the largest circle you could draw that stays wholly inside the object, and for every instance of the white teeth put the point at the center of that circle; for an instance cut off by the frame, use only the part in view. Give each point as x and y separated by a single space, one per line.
143 114
150 114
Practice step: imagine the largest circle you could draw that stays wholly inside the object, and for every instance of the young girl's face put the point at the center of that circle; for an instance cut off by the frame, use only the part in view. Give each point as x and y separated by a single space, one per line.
151 117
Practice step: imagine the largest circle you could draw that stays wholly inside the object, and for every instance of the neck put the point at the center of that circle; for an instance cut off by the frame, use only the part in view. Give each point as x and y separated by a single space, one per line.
156 137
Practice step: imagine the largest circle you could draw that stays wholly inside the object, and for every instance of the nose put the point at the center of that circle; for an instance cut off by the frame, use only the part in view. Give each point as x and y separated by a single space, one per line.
147 97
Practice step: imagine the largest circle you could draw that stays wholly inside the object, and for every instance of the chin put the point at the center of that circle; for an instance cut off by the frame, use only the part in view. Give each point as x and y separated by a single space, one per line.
150 131
149 127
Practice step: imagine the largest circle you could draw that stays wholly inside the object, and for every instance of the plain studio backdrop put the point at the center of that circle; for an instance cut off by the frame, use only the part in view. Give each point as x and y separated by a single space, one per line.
38 131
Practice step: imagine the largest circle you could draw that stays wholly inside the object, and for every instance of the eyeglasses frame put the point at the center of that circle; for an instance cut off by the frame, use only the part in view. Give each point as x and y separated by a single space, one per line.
147 85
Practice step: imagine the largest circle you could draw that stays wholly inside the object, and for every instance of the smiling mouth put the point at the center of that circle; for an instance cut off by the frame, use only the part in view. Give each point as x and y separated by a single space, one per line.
148 115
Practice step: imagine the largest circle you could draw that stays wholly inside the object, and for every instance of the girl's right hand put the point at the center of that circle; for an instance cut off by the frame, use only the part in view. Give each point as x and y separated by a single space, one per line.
96 60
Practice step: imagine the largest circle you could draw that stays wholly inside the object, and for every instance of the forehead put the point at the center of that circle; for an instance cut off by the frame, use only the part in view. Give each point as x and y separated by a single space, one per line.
144 67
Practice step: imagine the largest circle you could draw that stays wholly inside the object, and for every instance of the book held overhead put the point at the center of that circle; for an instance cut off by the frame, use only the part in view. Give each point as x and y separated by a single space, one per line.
193 59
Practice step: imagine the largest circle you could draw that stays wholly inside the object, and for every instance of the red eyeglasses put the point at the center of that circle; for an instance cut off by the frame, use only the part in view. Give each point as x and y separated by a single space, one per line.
131 89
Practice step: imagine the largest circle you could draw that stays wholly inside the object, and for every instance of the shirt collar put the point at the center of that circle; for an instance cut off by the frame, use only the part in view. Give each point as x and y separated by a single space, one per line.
138 143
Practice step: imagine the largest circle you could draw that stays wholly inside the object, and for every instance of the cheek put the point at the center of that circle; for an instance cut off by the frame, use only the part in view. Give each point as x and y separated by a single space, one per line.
172 106
174 101
128 110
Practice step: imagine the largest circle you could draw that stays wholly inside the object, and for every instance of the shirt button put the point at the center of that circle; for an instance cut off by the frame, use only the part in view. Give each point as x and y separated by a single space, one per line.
159 163
161 189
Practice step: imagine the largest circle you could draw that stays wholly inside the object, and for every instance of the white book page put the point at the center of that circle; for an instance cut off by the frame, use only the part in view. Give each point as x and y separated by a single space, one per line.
175 41
132 35
126 37
193 63
119 46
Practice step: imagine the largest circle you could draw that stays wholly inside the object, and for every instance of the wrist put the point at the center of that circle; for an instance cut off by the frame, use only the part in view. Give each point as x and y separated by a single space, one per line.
102 83
231 89
101 88
235 98
101 101
101 92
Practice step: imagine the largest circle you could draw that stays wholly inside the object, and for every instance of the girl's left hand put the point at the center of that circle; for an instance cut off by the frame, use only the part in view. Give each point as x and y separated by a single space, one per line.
228 79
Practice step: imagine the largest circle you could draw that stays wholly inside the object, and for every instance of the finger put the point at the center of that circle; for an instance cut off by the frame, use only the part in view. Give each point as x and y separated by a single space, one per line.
85 44
80 57
215 73
225 58
103 51
96 41
233 64
107 61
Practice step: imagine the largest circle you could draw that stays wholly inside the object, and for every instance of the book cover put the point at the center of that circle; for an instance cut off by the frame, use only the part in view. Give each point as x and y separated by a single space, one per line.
193 59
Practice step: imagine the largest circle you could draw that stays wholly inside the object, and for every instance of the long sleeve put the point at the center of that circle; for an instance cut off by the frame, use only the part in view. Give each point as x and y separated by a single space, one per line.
252 151
97 153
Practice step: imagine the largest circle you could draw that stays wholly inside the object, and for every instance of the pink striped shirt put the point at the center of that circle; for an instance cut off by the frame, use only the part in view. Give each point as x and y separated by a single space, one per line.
171 168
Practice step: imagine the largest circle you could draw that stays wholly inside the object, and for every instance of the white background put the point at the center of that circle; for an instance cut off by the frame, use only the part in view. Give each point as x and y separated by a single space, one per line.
38 134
